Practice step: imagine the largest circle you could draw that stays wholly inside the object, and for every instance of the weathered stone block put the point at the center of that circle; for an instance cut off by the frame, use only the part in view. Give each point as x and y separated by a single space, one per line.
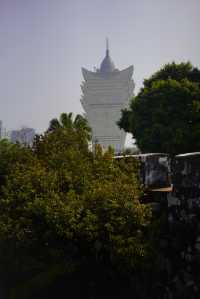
154 169
186 172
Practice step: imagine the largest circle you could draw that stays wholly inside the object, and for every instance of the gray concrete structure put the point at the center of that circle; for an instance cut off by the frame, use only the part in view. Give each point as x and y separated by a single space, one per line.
105 93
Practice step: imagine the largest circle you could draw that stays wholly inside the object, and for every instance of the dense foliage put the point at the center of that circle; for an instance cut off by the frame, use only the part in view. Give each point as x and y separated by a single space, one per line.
165 115
70 220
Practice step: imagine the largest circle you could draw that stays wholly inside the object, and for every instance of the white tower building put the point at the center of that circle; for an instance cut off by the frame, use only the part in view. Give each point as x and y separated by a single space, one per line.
105 93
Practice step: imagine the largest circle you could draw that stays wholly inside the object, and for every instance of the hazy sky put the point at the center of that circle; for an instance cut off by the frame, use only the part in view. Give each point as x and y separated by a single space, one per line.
44 44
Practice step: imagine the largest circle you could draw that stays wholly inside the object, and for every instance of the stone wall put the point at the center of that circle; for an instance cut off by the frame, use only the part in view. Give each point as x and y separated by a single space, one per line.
172 186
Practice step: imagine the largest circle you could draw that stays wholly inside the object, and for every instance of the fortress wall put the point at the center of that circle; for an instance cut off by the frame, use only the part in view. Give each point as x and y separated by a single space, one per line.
173 189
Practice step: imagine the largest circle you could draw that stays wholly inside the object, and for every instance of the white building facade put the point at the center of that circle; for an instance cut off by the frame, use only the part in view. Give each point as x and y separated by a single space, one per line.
105 93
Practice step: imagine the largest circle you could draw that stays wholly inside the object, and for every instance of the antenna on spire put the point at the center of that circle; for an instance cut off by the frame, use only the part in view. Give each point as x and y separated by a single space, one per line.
107 46
107 43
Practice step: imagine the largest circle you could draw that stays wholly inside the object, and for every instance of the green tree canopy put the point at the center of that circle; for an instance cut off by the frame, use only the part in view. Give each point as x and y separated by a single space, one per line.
11 153
68 215
165 115
66 121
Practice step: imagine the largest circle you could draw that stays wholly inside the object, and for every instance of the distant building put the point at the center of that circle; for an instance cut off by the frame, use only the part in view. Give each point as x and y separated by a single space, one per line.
1 129
23 136
106 91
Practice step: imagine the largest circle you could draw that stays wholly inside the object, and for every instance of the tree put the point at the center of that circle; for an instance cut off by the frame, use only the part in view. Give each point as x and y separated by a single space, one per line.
11 153
66 122
165 115
70 220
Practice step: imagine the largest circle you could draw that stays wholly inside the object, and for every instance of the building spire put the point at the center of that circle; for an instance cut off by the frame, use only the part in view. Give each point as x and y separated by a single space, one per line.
107 47
107 65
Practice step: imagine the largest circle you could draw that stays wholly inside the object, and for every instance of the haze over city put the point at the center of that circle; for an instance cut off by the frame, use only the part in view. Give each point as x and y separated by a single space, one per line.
44 44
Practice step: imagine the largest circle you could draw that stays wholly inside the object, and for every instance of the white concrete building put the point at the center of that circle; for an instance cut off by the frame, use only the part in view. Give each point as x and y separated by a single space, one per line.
105 93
